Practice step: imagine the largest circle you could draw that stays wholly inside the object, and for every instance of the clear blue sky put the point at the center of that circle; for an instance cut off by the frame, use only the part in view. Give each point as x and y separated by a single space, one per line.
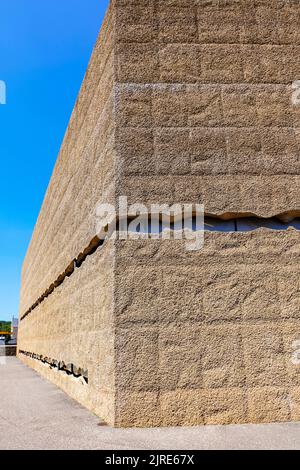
45 47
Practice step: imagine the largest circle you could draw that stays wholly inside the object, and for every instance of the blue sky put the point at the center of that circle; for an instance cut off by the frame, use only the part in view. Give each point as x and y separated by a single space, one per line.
44 51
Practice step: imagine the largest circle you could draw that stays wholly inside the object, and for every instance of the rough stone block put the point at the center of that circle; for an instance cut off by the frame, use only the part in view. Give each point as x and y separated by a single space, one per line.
176 23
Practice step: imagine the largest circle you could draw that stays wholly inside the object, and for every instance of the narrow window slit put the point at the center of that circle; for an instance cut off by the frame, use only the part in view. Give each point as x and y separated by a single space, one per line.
159 224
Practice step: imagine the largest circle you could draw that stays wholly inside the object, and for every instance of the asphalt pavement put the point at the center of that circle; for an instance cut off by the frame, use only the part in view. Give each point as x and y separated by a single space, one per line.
34 414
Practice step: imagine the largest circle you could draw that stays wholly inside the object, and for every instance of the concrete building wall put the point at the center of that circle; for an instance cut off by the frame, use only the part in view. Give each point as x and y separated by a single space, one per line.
207 337
75 324
71 323
204 114
184 101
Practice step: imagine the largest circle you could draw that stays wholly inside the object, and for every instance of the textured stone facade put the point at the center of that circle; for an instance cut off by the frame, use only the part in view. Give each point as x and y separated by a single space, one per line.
183 101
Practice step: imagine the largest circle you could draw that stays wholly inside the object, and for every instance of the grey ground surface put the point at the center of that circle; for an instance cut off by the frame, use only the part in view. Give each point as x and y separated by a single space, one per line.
34 414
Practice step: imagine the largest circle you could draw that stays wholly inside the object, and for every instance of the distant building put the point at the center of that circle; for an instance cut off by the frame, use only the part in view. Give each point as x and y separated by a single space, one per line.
14 328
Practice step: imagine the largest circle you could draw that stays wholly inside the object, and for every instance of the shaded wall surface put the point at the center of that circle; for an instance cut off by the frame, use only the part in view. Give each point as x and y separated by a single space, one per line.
183 101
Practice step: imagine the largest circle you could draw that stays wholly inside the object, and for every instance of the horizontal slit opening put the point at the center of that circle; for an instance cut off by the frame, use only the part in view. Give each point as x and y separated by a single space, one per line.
227 222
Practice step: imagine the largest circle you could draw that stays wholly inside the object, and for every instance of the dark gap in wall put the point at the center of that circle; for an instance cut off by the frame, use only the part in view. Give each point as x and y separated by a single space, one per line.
224 223
90 250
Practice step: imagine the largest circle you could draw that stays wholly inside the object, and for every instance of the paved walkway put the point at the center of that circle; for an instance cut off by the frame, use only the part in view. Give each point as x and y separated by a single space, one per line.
34 414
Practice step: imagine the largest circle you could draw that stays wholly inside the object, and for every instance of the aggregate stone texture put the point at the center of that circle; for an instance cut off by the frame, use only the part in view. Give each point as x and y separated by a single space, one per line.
183 101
